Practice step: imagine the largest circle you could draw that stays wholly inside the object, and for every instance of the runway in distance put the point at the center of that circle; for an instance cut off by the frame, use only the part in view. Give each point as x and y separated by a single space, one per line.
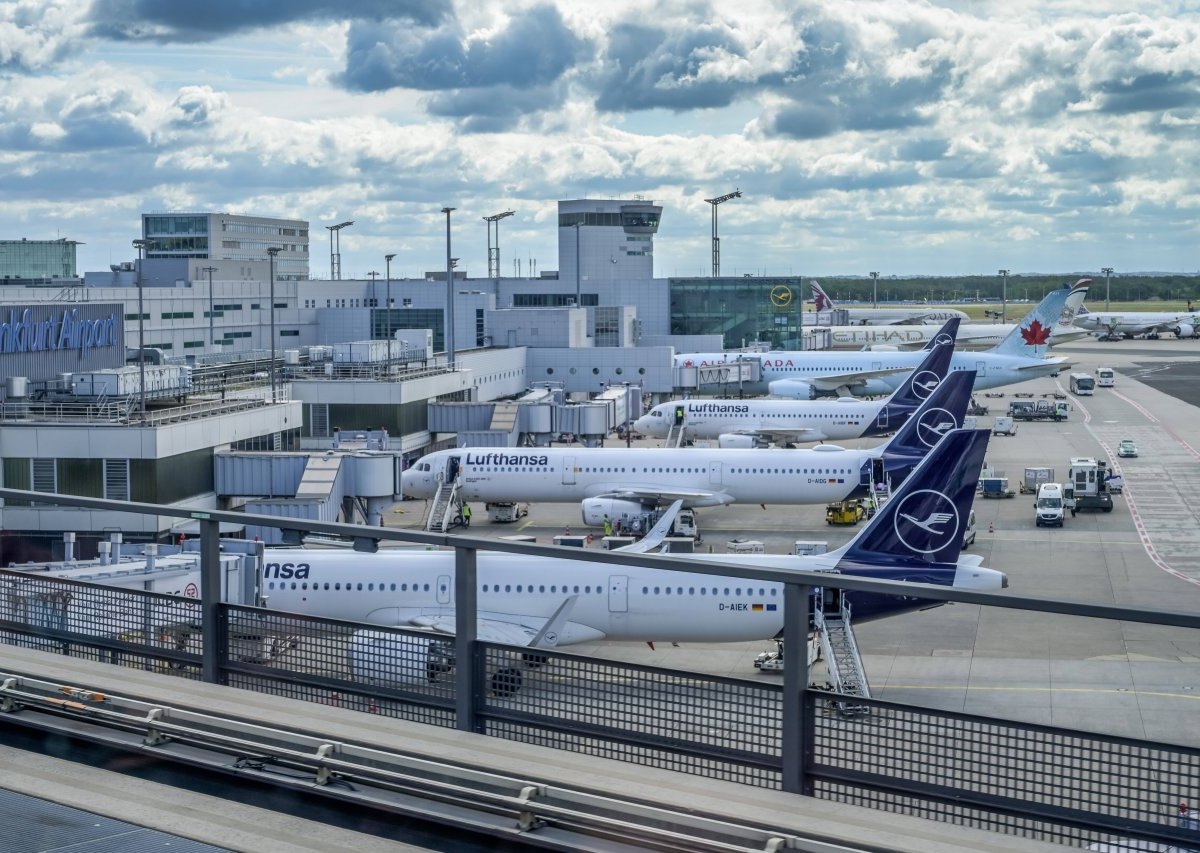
809 375
622 483
731 421
1182 324
908 315
542 602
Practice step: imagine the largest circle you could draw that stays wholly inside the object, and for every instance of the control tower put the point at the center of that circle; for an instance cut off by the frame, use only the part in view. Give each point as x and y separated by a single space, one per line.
615 239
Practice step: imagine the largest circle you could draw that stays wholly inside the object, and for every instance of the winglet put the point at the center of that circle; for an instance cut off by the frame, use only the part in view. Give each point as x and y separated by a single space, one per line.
942 412
657 533
923 520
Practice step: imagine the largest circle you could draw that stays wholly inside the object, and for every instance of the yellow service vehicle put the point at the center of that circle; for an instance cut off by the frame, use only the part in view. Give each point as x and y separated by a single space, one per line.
845 512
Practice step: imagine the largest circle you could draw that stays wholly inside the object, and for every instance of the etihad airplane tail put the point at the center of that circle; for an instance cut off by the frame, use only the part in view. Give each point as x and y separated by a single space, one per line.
821 300
941 412
1082 312
919 384
924 519
1030 338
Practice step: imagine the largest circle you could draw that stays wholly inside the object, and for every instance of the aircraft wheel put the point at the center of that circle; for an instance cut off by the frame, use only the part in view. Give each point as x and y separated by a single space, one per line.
507 681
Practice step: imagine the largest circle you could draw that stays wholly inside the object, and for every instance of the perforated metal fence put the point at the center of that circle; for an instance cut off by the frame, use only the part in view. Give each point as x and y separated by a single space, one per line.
1024 779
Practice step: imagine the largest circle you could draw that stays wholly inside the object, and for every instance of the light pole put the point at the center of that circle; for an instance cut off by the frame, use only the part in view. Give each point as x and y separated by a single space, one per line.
494 251
716 241
449 294
273 251
373 276
335 257
874 289
1003 295
212 335
388 298
1107 274
141 245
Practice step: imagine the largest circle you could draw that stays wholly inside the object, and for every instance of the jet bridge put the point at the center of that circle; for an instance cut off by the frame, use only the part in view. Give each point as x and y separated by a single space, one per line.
738 369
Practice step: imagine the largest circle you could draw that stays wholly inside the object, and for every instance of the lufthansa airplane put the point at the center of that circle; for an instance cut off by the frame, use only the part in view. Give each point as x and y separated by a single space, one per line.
541 602
808 375
884 316
731 421
622 483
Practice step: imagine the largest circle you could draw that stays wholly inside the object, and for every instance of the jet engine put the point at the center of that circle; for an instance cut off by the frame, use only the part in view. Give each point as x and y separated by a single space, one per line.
1185 330
393 659
617 509
797 389
734 439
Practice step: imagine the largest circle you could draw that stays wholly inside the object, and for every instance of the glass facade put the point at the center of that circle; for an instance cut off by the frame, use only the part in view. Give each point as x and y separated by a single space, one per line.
740 309
553 300
232 238
22 259
384 322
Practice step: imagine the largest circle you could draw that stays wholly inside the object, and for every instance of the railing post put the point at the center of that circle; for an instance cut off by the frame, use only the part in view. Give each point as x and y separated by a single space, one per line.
797 726
468 678
210 601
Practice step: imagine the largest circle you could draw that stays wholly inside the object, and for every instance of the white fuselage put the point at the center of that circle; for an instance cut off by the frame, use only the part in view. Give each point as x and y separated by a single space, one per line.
714 478
992 370
974 336
1135 322
889 316
820 420
613 602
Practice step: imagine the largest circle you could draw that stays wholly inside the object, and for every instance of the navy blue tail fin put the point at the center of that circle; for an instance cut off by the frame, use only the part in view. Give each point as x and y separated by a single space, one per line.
924 520
918 385
951 329
943 411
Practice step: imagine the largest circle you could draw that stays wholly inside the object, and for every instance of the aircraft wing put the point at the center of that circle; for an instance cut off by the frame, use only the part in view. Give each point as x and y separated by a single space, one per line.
1060 363
781 434
660 493
511 628
833 381
657 533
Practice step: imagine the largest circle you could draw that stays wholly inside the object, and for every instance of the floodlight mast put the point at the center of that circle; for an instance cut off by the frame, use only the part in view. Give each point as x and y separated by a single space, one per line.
1003 295
1108 271
494 250
335 255
716 241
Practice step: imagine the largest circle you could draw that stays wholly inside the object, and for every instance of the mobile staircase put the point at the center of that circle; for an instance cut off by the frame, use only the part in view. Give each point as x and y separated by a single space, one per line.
674 436
444 508
880 496
843 663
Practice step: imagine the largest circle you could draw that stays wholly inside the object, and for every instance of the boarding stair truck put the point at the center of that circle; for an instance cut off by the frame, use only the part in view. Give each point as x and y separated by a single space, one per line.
1087 486
844 668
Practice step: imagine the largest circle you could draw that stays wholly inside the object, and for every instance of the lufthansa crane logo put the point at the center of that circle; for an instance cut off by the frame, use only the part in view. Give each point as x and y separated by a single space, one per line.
926 521
934 424
943 340
924 383
781 296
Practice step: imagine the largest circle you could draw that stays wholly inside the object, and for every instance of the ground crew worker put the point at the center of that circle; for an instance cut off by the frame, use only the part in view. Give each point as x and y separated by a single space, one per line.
466 514
607 526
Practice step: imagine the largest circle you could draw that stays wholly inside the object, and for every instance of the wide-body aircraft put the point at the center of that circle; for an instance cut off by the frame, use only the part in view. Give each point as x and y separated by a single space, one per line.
809 375
790 421
909 315
1182 324
541 602
623 483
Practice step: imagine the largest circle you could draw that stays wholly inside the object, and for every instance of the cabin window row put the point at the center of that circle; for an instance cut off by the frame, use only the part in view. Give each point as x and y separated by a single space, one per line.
349 587
748 592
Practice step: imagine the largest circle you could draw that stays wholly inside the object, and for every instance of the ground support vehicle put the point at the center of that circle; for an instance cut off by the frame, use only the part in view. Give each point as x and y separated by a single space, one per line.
845 512
1088 486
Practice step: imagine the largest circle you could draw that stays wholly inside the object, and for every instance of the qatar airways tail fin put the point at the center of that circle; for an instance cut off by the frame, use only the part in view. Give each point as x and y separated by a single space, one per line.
821 300
923 521
1031 336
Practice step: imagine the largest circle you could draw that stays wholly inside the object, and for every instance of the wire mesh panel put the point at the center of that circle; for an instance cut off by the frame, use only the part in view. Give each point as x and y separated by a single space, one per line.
719 727
384 671
126 627
974 769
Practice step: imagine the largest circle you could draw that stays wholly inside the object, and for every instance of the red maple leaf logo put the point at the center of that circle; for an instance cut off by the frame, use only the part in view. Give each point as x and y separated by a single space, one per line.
689 363
1036 334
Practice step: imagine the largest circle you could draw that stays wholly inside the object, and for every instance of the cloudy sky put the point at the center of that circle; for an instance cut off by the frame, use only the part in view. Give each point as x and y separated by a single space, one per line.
899 136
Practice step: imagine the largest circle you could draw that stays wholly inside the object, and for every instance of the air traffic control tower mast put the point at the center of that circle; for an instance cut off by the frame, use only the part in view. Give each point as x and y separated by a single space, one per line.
616 240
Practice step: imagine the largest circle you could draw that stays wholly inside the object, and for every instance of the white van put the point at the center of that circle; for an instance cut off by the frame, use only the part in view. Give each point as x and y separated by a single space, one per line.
1050 505
969 531
1106 377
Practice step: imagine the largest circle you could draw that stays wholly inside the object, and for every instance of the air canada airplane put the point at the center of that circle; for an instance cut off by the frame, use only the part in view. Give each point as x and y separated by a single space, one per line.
909 316
622 483
738 422
541 602
1182 324
808 375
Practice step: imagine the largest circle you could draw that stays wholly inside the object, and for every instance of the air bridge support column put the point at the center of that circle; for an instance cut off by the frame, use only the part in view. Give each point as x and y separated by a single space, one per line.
469 676
797 719
212 631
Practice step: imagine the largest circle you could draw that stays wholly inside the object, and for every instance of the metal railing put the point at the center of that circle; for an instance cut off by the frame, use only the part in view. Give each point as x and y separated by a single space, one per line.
1041 781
